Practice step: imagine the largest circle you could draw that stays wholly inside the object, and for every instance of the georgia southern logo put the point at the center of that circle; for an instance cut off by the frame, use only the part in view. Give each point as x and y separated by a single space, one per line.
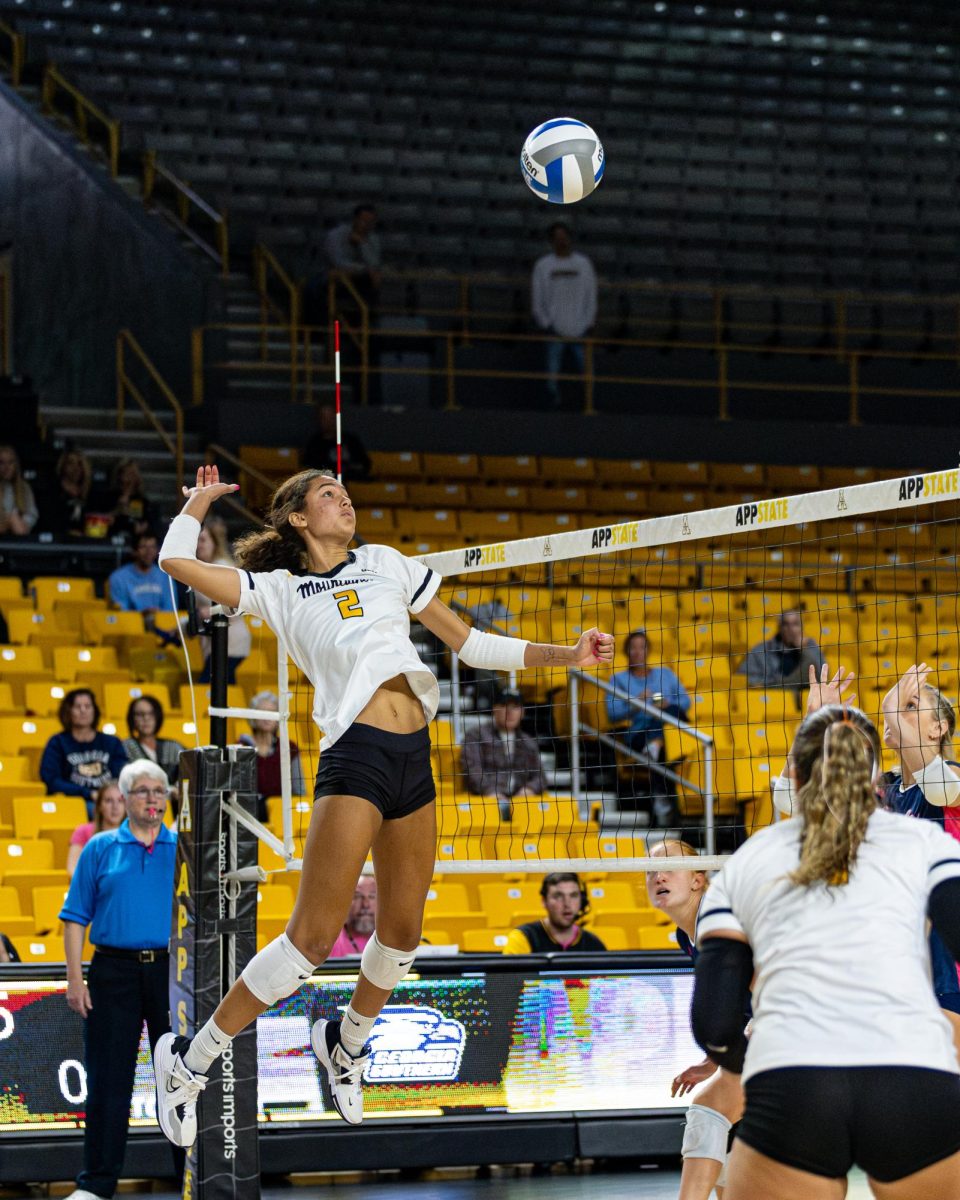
410 1043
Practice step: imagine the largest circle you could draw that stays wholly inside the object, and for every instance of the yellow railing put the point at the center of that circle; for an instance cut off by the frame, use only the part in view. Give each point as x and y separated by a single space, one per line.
127 344
81 112
725 381
267 271
353 313
185 205
6 316
16 56
619 301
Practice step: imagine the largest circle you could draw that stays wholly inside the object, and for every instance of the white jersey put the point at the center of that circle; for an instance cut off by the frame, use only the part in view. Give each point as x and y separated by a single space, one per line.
348 630
843 973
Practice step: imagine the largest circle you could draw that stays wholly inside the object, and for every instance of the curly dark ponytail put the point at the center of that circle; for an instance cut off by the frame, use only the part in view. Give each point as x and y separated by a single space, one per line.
279 546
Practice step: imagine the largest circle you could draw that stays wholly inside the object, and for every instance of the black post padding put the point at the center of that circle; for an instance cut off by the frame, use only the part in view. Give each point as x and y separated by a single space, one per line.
213 938
219 627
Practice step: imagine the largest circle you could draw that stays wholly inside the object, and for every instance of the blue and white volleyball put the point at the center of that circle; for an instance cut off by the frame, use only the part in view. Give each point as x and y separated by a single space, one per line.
562 160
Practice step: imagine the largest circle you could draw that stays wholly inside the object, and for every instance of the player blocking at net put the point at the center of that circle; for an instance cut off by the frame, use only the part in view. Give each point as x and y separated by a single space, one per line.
344 617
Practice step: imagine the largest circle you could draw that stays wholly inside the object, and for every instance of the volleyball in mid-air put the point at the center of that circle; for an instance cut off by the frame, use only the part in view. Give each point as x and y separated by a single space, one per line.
562 160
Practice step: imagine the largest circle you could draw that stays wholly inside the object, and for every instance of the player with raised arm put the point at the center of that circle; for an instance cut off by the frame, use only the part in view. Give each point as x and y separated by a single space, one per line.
850 1061
344 617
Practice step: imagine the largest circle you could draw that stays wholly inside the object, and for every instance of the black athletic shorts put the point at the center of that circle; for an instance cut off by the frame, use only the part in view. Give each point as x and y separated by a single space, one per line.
391 770
889 1121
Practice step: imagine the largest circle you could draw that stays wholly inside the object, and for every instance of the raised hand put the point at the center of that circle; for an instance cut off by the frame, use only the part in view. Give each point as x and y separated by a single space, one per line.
826 690
207 490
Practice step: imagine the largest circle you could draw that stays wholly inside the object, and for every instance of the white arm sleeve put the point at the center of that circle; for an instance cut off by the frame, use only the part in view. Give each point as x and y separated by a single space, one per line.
939 783
182 537
492 651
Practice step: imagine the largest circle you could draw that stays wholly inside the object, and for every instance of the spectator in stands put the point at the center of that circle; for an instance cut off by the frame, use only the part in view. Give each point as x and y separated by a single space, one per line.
783 661
144 722
18 507
563 296
65 509
121 889
657 686
361 919
566 903
108 813
502 760
140 585
214 547
321 449
267 745
130 511
353 249
81 760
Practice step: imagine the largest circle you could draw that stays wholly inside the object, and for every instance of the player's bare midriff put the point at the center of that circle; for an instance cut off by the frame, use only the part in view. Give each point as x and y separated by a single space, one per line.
394 707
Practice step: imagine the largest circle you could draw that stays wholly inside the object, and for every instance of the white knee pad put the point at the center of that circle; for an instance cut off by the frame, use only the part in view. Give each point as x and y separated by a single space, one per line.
277 971
705 1134
385 967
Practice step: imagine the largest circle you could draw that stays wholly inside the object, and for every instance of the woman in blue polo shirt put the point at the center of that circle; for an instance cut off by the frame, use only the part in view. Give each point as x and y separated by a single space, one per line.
121 889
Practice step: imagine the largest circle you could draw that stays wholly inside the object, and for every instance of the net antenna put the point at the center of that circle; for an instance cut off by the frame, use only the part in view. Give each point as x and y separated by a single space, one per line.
336 389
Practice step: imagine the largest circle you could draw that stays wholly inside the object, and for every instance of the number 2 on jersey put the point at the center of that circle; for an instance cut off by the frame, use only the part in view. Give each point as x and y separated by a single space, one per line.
349 603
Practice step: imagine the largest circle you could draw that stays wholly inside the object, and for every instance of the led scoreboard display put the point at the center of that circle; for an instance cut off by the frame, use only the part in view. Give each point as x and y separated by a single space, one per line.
505 1040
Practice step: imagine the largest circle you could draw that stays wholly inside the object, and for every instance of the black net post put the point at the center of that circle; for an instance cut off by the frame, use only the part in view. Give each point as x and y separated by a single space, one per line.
213 937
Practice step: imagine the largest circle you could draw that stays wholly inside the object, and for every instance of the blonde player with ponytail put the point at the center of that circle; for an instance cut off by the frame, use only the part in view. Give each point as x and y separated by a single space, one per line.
850 1060
344 617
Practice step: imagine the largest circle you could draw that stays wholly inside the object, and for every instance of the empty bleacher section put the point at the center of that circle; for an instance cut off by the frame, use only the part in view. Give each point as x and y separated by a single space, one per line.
776 143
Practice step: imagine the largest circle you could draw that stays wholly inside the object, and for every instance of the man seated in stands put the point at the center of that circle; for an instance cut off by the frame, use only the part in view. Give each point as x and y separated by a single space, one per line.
784 660
502 760
566 903
358 928
321 450
659 687
140 586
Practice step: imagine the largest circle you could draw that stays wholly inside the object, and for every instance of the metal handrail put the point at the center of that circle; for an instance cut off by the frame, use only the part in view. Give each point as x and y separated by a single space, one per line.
577 726
125 385
723 383
18 52
83 109
265 265
186 200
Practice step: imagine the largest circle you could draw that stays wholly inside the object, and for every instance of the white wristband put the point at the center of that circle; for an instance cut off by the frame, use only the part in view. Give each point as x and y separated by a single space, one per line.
182 537
492 651
939 783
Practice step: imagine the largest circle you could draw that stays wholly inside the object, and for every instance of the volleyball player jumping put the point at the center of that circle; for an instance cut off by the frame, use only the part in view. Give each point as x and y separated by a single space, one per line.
850 1060
344 617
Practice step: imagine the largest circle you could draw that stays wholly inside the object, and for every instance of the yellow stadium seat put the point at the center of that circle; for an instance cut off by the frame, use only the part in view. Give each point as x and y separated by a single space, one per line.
20 663
41 949
461 849
43 699
568 470
47 903
111 628
484 941
51 589
20 734
445 898
611 894
542 524
19 854
510 497
117 697
8 704
490 525
13 769
27 627
499 901
17 928
271 459
396 464
53 818
657 937
453 925
533 847
611 845
450 466
10 588
9 902
373 522
510 468
24 880
613 937
377 494
438 937
74 662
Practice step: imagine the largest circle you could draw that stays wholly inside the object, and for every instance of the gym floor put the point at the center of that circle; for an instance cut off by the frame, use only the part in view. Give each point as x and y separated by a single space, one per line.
653 1183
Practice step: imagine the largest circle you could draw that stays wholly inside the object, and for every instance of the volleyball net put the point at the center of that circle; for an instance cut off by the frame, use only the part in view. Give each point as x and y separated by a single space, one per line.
615 760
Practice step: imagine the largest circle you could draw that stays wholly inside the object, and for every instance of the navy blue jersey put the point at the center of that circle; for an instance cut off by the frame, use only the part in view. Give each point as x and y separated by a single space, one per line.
686 945
912 803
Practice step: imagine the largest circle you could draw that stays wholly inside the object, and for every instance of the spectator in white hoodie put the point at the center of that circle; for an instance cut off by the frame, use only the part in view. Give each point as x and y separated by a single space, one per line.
564 302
